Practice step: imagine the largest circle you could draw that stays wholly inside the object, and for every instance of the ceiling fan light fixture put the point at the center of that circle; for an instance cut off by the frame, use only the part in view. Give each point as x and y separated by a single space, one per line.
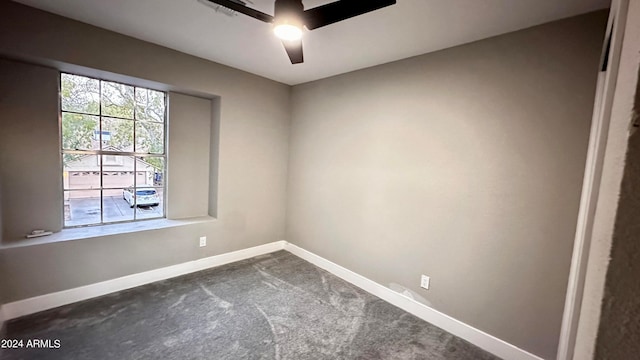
288 32
289 16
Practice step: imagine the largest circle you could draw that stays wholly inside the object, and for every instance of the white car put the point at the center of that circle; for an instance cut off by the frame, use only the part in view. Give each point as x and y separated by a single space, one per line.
143 197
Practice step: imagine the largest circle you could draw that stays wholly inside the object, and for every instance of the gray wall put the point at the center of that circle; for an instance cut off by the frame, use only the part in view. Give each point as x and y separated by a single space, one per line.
618 334
465 165
29 149
250 150
187 194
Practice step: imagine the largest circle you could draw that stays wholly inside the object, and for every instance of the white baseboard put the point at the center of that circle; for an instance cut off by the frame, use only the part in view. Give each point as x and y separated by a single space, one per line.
477 337
49 301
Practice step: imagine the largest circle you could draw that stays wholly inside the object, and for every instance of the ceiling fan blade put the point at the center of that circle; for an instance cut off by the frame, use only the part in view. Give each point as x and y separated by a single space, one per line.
230 4
294 50
341 10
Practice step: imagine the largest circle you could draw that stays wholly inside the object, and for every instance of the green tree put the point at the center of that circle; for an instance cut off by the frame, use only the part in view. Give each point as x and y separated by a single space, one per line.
77 134
118 104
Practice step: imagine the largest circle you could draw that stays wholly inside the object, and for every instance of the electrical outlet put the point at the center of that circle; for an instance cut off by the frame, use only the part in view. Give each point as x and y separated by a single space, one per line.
424 281
203 241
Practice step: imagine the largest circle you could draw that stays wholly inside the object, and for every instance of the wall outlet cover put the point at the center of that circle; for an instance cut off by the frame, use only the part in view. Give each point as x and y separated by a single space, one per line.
424 281
203 241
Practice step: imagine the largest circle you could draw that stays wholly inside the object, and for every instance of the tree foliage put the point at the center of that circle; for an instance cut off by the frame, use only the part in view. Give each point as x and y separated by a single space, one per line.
125 110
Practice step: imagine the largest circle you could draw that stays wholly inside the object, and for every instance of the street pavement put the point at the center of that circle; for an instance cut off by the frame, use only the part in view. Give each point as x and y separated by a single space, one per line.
86 211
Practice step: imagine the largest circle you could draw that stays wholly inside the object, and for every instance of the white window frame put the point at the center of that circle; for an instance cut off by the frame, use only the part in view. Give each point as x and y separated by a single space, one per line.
100 153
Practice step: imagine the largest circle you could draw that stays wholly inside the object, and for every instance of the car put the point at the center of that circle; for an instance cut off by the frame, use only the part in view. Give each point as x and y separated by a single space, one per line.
142 197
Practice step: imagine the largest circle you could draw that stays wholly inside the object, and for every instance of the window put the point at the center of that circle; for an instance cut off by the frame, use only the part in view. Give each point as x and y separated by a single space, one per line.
113 151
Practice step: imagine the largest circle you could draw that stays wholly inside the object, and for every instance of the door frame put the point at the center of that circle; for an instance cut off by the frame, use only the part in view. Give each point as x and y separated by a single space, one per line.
606 86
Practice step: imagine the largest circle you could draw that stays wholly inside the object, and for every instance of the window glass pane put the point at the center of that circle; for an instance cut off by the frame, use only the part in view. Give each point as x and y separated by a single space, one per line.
80 132
117 171
81 207
149 203
117 134
146 171
79 94
154 168
117 100
110 119
150 105
81 171
117 205
149 137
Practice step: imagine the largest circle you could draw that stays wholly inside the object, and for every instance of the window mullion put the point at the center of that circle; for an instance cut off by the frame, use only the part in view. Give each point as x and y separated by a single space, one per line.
135 161
100 155
81 102
108 152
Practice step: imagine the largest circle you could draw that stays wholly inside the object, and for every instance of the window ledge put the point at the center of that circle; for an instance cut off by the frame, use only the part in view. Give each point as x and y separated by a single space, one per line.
104 230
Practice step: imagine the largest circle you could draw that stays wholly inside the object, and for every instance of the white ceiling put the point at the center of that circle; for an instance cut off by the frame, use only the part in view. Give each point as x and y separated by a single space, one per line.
409 28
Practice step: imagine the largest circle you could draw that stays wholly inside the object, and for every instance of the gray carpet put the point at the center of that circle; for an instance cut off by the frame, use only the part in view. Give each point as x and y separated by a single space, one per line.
275 306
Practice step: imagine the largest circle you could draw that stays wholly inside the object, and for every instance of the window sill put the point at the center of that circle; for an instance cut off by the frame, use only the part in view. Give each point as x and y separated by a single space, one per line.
104 230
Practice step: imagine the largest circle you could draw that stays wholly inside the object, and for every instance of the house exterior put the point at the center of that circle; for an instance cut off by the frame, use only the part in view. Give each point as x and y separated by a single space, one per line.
84 174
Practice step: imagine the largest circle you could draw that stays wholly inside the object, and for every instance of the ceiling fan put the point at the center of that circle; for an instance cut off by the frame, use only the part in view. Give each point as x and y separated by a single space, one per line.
290 16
